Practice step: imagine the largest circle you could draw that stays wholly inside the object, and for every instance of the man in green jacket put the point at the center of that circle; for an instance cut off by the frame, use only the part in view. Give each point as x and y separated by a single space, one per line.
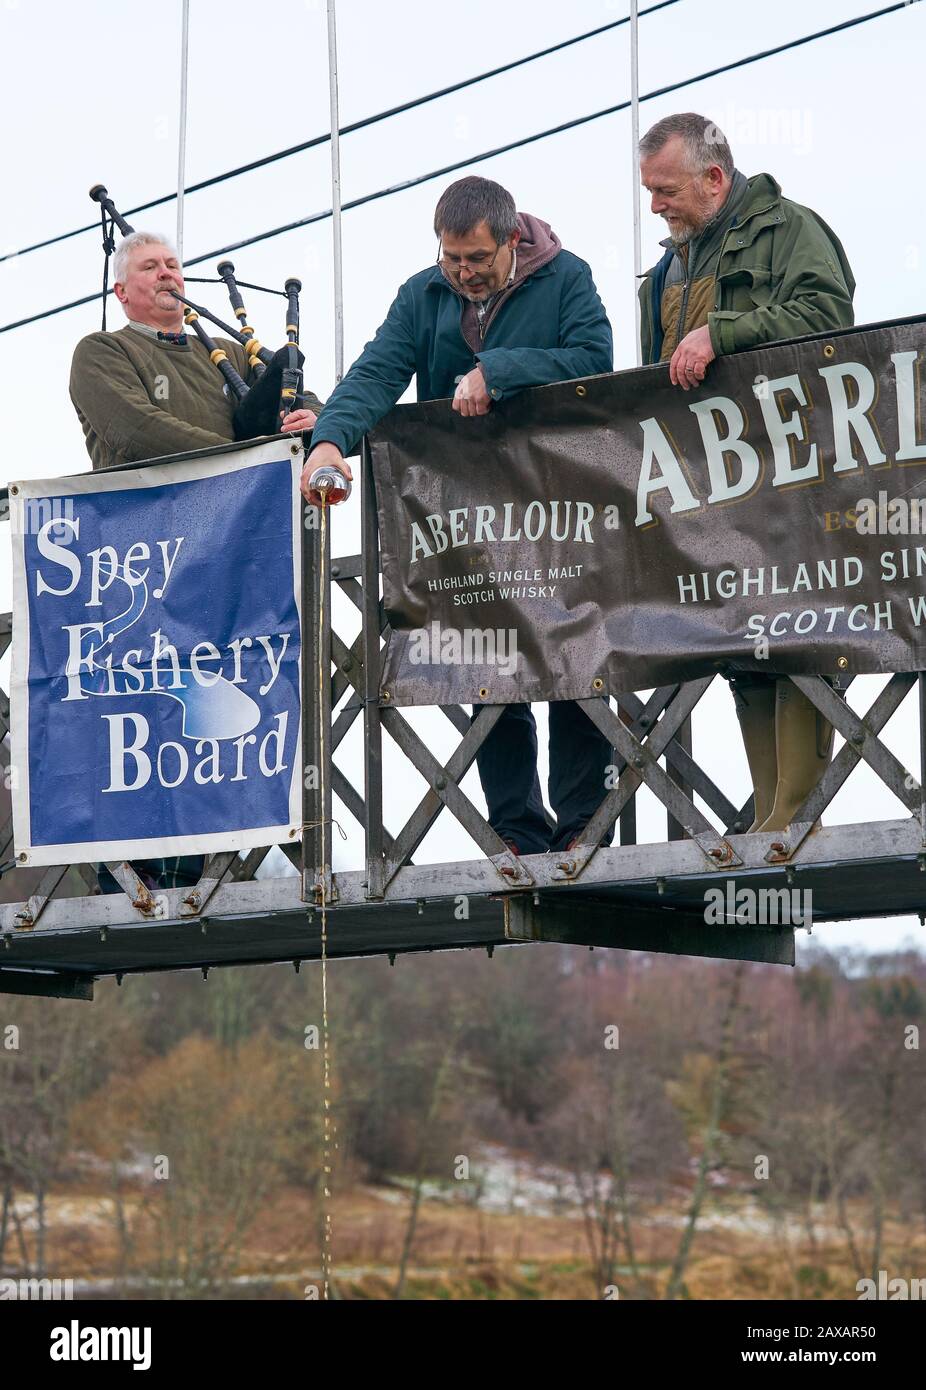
149 390
504 308
743 266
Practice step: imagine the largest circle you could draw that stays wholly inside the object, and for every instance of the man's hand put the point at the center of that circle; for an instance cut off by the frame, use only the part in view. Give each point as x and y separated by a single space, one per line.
298 420
471 396
691 359
330 456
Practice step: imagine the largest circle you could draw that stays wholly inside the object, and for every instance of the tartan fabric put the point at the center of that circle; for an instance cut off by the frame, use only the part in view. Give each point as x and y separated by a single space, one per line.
183 871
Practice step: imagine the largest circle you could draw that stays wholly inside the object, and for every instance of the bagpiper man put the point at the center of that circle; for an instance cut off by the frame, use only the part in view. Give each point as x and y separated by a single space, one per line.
743 267
148 390
467 329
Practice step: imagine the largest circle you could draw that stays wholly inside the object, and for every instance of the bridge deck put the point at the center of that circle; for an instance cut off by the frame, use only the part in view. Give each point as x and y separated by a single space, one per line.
640 897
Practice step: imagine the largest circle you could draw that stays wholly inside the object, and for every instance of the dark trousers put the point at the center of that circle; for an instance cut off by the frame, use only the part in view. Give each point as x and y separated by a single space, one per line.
507 761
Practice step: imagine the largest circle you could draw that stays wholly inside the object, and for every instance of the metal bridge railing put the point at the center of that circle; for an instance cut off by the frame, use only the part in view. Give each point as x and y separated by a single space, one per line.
652 746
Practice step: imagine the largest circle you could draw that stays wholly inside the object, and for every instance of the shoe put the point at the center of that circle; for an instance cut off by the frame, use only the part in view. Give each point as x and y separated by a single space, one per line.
513 847
577 840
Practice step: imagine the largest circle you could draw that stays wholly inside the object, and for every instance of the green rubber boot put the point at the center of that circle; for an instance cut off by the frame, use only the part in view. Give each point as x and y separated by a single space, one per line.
755 709
804 746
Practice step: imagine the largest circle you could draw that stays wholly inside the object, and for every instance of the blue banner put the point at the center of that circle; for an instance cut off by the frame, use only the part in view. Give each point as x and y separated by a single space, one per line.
156 669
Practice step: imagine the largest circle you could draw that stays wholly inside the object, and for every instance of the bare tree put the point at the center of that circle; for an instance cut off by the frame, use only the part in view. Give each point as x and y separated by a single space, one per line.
426 1145
712 1132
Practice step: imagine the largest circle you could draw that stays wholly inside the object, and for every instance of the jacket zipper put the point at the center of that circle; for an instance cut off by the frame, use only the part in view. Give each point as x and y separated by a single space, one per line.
689 276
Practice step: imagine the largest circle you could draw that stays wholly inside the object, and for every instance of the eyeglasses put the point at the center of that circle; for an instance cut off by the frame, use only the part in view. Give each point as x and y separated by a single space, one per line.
473 262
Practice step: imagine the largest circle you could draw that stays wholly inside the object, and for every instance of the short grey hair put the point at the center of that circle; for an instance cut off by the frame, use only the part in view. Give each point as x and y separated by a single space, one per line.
705 143
472 200
128 245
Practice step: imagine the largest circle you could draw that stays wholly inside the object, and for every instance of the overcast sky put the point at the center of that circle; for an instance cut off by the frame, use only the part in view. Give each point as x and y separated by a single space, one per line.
92 95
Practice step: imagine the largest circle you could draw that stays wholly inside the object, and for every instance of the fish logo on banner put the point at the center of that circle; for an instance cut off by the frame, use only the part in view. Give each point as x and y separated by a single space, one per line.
157 695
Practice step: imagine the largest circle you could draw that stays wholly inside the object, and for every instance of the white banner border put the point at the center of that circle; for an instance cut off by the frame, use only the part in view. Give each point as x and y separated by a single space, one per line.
136 479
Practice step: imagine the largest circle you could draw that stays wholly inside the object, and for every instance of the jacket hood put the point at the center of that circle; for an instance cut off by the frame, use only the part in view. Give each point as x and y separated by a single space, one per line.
537 247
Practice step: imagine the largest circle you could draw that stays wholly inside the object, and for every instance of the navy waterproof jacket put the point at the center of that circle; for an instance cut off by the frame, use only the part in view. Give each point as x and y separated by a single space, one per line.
553 327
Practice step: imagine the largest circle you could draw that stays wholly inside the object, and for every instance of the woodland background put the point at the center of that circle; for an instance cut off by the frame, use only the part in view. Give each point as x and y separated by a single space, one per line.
550 1122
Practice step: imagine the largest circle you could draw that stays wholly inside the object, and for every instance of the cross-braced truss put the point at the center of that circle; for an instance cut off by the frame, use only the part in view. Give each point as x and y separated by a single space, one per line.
63 934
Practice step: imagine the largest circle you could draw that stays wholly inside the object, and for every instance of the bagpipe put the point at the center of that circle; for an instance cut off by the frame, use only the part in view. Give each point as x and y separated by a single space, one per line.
278 383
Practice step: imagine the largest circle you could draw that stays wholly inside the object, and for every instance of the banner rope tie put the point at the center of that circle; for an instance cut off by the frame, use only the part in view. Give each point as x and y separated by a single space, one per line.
313 824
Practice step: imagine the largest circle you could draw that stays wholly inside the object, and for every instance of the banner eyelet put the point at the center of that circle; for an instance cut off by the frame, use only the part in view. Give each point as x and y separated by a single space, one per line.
581 390
829 350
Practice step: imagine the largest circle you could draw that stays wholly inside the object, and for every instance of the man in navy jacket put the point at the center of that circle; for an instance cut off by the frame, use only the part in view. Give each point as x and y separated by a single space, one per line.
504 308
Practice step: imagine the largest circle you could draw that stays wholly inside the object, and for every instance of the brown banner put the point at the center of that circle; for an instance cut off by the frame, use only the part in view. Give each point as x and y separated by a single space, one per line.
618 533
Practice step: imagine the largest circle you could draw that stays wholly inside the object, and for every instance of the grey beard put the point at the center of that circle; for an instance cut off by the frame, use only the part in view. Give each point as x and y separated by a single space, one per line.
690 230
685 234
